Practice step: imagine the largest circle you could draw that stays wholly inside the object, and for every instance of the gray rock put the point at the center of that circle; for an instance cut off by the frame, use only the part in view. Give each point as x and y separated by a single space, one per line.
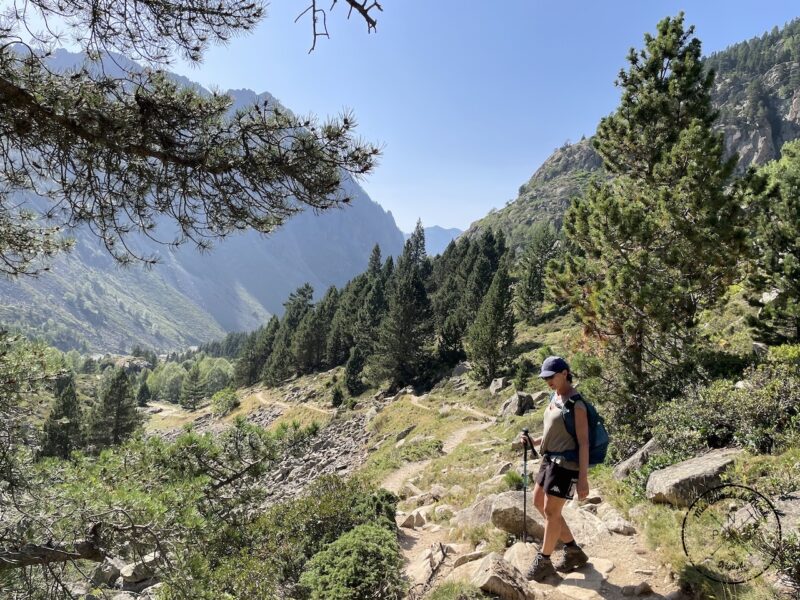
402 435
479 513
107 572
409 490
681 483
504 468
496 576
521 555
140 570
507 514
469 557
461 369
438 491
517 405
637 461
497 385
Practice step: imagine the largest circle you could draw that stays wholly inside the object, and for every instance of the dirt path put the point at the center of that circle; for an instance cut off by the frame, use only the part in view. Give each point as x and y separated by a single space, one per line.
396 479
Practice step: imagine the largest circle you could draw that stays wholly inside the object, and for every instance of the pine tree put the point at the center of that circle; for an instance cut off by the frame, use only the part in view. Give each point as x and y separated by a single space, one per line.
143 394
491 337
375 262
370 315
192 389
281 363
62 430
115 417
658 242
308 343
530 291
255 354
406 333
353 370
774 284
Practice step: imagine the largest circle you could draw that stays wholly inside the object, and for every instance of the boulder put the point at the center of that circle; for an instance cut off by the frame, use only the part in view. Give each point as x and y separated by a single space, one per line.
507 514
140 570
517 405
478 514
417 518
438 491
614 521
637 461
585 526
401 435
504 468
497 577
461 369
540 398
521 555
681 483
443 511
468 557
107 572
408 490
497 385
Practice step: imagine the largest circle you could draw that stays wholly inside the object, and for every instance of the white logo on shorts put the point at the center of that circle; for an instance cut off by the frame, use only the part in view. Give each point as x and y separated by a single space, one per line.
555 489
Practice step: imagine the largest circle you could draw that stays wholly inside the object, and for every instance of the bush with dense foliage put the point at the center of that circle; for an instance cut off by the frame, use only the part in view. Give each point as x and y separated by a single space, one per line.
362 564
224 401
762 413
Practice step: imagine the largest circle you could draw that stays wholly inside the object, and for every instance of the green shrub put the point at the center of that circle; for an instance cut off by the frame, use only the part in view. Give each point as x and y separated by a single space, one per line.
763 415
337 397
422 449
788 353
513 480
292 532
522 374
224 401
362 564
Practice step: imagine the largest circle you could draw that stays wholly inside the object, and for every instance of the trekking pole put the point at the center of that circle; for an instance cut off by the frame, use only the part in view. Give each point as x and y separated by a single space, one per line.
527 441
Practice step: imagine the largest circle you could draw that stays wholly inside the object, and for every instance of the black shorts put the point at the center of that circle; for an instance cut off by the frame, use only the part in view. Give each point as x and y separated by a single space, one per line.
556 480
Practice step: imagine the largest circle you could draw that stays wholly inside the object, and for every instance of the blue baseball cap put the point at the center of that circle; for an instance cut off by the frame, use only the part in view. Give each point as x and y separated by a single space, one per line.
553 365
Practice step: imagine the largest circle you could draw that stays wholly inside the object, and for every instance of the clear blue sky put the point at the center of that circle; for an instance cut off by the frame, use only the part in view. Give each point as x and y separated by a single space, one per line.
467 97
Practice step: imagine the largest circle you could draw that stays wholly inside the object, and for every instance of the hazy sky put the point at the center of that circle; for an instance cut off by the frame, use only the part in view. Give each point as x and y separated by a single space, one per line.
467 97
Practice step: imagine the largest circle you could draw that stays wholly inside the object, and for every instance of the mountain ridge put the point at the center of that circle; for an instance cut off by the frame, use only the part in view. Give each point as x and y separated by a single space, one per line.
757 93
87 302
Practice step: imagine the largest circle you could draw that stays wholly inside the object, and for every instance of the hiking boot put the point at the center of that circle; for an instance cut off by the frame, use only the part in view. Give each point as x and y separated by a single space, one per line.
573 558
540 568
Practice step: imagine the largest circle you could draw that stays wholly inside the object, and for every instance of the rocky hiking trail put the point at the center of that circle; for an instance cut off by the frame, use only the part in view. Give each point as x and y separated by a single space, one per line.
620 564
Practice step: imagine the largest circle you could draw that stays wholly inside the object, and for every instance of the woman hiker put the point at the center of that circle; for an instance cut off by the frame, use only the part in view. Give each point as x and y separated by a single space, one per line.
558 479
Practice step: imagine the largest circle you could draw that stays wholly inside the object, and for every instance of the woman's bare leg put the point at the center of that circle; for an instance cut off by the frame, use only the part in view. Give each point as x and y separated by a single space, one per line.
539 501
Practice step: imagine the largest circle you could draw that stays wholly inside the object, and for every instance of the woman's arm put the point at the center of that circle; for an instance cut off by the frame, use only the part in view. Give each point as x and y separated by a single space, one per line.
582 433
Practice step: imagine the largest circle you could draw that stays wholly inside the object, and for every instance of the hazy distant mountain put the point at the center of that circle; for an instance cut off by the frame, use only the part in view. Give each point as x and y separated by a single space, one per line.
87 301
757 92
437 238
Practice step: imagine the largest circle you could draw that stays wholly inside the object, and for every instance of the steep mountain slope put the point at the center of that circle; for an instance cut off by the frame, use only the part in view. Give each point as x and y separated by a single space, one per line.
87 301
757 92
